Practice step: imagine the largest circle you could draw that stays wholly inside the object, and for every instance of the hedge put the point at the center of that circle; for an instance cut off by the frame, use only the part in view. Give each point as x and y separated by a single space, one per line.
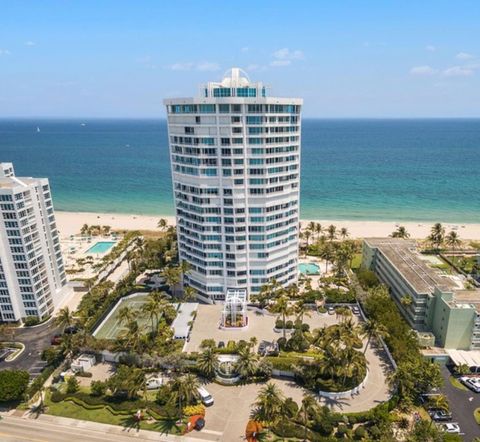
115 406
284 363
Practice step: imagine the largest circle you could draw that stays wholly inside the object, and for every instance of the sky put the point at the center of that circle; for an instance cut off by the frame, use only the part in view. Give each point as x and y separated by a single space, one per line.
346 59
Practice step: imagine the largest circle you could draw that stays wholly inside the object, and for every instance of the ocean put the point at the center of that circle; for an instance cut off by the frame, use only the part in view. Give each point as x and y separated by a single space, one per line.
396 170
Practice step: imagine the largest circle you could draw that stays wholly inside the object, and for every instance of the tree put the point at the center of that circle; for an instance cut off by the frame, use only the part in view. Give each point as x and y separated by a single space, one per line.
309 406
184 391
126 381
401 232
247 363
301 309
307 234
98 388
189 293
282 306
269 404
437 235
72 385
162 224
344 233
440 402
373 328
172 277
207 363
64 318
126 315
331 232
462 369
318 229
452 240
152 308
13 384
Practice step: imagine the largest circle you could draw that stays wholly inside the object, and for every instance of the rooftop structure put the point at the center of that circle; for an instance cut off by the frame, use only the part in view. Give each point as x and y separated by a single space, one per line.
235 158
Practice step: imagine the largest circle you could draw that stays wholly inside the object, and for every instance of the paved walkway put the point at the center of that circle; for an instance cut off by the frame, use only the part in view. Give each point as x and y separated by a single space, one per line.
60 429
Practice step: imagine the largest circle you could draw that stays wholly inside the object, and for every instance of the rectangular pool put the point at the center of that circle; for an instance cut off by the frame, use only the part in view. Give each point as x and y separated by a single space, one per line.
101 247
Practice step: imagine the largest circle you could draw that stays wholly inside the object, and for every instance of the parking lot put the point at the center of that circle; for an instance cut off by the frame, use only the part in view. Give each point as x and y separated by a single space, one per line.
462 405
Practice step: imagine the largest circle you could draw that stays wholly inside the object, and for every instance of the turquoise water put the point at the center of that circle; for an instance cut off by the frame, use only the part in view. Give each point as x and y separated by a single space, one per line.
422 170
101 247
309 268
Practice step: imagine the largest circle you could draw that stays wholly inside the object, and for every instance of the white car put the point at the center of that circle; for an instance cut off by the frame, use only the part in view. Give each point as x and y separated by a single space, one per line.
451 428
205 396
154 383
472 383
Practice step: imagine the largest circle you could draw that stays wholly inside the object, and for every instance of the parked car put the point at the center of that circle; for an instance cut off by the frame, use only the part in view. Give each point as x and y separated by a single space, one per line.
262 347
221 344
440 415
205 396
154 383
471 383
450 428
4 352
355 310
56 340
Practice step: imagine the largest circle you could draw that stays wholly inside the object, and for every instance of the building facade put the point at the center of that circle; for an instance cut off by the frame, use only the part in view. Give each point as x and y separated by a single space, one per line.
235 159
32 275
430 301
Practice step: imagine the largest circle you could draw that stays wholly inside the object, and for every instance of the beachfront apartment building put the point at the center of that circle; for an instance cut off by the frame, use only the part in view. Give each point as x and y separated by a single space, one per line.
32 275
430 301
235 160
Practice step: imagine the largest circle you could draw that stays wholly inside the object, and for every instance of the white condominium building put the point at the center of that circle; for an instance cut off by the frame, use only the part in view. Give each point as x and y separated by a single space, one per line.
32 276
235 158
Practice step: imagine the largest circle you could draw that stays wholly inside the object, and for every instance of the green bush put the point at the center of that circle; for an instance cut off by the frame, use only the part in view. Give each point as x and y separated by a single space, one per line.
367 279
83 374
341 431
231 345
322 310
289 325
72 385
279 324
98 388
29 321
284 363
13 384
359 432
290 407
208 343
334 295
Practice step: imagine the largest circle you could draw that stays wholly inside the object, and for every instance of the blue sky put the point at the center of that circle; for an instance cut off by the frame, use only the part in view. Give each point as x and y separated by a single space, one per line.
345 58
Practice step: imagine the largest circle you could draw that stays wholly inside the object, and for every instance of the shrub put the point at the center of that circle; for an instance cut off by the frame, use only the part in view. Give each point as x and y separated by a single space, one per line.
367 279
231 345
31 320
191 410
305 328
290 407
208 343
282 343
83 374
359 432
322 310
342 431
98 388
284 363
163 395
72 384
289 324
13 384
279 324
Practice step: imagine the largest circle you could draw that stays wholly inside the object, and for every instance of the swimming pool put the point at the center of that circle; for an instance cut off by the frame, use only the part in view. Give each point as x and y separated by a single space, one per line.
309 268
101 247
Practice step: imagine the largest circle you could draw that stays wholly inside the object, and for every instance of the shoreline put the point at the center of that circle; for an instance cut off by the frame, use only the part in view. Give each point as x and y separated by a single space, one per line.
70 223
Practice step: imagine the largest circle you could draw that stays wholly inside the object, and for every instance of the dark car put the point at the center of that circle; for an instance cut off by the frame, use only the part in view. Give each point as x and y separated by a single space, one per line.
56 340
440 415
71 330
262 347
199 424
221 344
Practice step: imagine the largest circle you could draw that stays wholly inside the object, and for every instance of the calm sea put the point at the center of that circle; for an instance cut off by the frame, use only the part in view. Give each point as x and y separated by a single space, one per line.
424 170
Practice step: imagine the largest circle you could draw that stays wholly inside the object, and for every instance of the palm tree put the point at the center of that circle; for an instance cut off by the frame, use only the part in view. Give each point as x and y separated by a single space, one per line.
370 328
332 232
440 402
344 233
64 318
309 406
301 309
172 277
247 363
453 240
282 306
152 308
307 234
126 315
207 363
162 224
269 404
437 235
318 229
311 227
184 391
401 232
189 293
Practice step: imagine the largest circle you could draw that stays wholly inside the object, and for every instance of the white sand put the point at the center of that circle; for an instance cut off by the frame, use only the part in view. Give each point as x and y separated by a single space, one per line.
70 223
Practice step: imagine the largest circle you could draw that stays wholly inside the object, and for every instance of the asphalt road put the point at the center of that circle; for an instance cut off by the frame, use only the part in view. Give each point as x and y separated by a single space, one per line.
462 406
35 339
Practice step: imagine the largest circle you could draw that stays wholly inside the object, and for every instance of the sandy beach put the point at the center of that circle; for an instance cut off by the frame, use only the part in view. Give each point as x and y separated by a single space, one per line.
70 223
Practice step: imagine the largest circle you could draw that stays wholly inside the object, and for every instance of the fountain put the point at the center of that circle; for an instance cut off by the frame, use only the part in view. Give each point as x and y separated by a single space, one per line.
226 373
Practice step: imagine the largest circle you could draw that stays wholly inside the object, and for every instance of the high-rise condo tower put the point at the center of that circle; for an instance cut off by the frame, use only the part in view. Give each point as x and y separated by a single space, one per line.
235 158
32 276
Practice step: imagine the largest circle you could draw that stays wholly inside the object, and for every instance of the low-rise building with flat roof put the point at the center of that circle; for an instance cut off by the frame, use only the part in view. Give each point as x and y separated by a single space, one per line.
430 301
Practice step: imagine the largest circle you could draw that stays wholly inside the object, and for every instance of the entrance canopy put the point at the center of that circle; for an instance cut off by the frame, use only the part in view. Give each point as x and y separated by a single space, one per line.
470 358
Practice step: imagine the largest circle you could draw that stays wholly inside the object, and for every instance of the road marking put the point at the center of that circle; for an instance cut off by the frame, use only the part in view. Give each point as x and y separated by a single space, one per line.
216 433
23 437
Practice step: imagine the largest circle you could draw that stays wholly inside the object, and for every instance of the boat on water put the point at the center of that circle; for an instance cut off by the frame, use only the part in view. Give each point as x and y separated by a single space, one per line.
83 124
38 129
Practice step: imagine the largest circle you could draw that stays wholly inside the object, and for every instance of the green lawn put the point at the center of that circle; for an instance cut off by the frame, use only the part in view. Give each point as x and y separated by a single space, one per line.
74 411
476 415
457 384
357 261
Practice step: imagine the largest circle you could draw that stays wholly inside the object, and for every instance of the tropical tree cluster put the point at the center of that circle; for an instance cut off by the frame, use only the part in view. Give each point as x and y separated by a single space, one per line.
95 230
